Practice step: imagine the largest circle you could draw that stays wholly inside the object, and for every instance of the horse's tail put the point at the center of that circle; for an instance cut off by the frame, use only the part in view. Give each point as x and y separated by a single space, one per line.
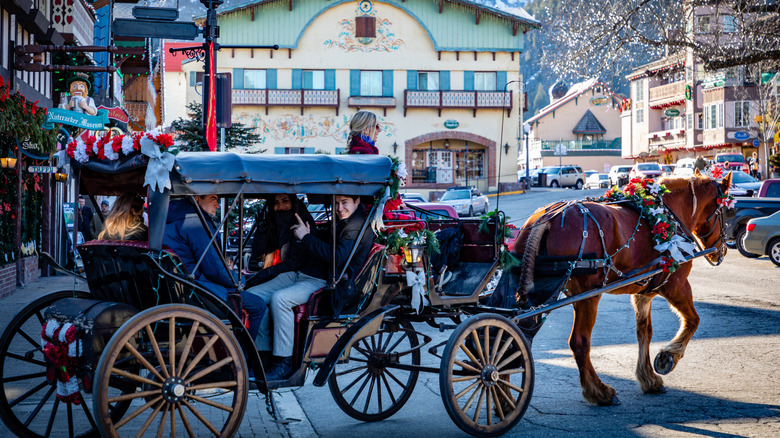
530 243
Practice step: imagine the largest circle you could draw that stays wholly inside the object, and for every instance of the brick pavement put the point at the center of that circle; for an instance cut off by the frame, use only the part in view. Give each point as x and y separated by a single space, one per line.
257 422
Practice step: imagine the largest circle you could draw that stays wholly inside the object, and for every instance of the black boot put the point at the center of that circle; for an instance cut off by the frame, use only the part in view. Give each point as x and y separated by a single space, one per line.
280 369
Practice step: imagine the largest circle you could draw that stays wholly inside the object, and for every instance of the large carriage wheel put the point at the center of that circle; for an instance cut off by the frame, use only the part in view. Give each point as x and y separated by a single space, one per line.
487 375
368 387
28 402
189 371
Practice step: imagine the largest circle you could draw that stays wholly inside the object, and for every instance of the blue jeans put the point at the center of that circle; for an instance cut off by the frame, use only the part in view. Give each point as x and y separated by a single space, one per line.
255 306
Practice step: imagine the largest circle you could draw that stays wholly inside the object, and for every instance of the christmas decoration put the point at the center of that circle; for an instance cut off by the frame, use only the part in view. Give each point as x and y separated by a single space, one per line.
22 119
62 349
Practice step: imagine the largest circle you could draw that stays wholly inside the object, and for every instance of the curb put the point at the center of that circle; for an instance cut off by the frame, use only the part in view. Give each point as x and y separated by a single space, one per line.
288 408
516 192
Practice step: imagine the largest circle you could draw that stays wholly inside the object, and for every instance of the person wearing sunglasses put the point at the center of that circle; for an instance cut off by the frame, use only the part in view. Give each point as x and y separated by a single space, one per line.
363 130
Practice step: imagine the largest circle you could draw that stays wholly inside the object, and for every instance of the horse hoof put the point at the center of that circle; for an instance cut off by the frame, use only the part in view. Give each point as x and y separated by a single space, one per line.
614 402
664 363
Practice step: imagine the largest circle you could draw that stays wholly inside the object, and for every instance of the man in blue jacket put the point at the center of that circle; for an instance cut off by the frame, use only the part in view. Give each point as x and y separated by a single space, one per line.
293 288
185 236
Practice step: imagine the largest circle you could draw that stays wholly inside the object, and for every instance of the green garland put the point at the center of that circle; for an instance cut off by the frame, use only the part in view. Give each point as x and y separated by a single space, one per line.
8 198
23 119
398 239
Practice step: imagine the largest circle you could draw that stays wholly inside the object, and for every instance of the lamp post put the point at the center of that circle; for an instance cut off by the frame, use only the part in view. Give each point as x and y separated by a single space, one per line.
466 164
526 131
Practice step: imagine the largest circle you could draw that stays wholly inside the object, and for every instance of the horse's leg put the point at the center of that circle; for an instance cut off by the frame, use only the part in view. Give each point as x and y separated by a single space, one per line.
593 389
681 302
649 381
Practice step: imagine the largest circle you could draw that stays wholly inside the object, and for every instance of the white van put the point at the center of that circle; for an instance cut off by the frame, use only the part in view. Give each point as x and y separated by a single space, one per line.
684 167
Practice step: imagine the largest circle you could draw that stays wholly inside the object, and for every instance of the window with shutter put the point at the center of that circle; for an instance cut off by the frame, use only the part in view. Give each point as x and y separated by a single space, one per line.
370 83
314 79
365 27
254 79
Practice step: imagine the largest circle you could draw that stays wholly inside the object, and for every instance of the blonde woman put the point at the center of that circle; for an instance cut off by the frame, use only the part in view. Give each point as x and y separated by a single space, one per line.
125 221
363 130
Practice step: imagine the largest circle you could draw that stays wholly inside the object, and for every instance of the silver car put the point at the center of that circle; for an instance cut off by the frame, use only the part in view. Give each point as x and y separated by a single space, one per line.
763 237
466 201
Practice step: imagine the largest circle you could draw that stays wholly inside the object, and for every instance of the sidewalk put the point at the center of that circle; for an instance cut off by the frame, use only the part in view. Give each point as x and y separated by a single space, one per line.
257 422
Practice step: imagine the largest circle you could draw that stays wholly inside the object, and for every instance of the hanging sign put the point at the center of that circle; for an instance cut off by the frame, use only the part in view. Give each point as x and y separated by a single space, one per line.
116 113
451 124
672 113
32 150
599 100
42 169
72 118
741 135
756 143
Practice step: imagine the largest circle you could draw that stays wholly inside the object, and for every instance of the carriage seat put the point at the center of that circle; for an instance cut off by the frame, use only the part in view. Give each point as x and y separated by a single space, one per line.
317 307
118 271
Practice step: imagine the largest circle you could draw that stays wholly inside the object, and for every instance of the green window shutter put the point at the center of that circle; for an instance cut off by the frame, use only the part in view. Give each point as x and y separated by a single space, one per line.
340 151
308 150
270 79
468 80
297 80
411 79
194 79
307 80
444 80
330 79
238 78
354 82
279 151
387 83
500 80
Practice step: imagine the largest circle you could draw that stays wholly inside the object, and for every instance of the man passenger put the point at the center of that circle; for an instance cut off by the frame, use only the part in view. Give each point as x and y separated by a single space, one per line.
187 238
294 288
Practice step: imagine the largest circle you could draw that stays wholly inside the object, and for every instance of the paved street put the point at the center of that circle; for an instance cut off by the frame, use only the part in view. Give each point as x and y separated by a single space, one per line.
727 385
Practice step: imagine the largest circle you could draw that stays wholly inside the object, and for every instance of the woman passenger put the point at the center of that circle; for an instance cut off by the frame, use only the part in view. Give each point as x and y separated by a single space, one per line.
363 130
124 222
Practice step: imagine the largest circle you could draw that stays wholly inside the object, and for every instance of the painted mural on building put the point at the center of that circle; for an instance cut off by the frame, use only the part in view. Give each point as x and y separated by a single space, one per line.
297 128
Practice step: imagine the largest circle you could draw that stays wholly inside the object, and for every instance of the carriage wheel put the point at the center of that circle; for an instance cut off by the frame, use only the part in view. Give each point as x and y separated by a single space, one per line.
199 385
28 402
487 375
368 387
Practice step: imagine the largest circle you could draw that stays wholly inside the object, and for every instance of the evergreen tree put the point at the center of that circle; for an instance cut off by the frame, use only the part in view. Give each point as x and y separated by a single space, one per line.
541 99
190 131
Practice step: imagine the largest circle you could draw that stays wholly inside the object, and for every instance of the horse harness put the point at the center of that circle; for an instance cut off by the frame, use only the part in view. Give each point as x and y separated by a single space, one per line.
588 264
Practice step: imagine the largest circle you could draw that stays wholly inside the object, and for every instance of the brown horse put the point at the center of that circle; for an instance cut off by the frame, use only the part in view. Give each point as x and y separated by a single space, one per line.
557 231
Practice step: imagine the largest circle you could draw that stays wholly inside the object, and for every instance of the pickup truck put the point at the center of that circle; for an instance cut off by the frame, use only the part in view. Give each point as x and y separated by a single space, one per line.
766 202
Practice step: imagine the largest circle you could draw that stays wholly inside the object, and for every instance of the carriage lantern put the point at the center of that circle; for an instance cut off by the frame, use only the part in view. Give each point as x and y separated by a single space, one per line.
414 255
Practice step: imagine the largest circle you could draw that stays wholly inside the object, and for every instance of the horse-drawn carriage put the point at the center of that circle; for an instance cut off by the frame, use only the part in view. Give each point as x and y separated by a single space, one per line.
149 350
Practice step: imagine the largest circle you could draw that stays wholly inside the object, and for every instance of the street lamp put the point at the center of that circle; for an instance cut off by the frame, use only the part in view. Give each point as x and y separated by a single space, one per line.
506 148
526 131
466 164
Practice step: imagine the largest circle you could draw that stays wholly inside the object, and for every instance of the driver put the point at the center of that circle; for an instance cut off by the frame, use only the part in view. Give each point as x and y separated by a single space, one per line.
294 288
186 237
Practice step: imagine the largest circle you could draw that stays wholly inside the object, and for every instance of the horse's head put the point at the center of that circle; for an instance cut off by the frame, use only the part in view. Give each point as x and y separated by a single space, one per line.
694 201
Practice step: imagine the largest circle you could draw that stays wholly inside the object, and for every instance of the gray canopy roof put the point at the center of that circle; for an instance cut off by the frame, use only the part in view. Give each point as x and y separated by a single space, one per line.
225 173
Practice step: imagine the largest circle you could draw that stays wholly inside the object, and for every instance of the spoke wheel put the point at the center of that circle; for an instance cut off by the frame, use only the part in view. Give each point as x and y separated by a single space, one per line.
28 401
189 373
487 375
367 387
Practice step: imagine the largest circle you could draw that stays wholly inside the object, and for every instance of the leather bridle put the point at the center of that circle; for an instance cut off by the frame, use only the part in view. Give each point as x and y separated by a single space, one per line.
720 244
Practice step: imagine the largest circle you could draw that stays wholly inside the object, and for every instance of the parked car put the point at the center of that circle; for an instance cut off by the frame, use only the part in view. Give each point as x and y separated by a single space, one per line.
763 237
597 181
745 182
565 176
684 167
466 201
521 176
433 211
766 202
589 173
645 170
413 197
668 169
735 162
618 175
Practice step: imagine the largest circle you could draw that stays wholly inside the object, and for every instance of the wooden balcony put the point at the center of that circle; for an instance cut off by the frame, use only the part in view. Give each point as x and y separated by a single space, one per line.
465 99
299 98
667 95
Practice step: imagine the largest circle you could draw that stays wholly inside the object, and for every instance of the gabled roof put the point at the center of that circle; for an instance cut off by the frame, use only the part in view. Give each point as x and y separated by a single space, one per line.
575 91
589 124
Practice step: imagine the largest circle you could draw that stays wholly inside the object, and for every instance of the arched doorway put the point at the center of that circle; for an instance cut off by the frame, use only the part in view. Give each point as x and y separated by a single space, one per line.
444 159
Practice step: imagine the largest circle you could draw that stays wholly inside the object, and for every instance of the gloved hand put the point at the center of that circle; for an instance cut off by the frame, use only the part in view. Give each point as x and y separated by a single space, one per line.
261 277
